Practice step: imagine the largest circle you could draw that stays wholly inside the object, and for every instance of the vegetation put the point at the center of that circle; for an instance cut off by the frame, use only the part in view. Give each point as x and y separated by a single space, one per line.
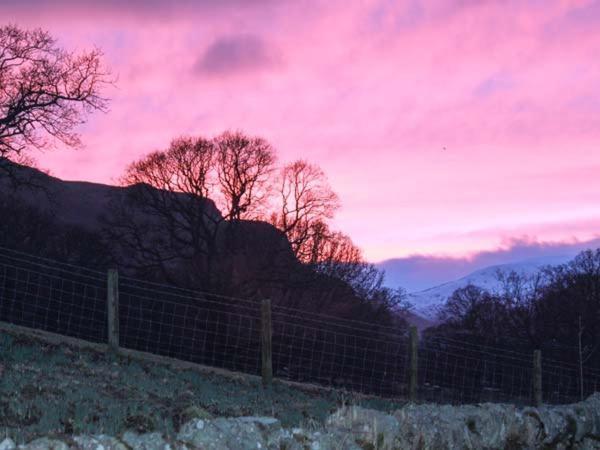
51 390
555 310
558 305
45 92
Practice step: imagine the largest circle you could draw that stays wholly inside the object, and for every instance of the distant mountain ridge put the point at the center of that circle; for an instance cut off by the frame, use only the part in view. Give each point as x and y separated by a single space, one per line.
427 302
418 272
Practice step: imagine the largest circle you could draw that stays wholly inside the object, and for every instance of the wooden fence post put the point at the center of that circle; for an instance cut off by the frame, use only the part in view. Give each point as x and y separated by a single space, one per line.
414 364
113 310
537 378
266 343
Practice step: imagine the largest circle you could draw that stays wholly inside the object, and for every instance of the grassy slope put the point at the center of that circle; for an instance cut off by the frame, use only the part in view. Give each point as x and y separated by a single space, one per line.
55 389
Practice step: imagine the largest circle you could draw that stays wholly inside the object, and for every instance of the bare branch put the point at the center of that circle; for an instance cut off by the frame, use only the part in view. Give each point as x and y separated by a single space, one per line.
45 92
244 166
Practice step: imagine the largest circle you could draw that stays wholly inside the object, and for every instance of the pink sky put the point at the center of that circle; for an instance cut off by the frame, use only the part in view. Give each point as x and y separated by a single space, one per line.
372 91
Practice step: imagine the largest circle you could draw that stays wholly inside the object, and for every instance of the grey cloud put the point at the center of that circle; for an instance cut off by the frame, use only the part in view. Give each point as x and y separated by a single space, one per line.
419 272
236 53
496 83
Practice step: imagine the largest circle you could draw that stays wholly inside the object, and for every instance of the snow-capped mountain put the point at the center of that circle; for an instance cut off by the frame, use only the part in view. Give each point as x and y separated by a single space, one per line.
427 302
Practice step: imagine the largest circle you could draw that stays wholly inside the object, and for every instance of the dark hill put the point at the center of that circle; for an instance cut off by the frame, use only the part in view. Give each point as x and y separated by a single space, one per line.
76 221
89 209
181 241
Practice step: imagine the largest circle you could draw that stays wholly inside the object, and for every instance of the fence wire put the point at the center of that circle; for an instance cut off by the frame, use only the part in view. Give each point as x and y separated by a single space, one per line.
225 332
200 328
39 293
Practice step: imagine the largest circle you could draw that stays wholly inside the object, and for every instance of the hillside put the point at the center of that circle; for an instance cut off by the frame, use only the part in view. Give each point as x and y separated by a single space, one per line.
93 208
55 395
54 386
100 226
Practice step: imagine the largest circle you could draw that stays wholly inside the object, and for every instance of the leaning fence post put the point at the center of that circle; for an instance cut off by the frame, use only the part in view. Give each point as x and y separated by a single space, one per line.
266 343
537 377
414 360
113 309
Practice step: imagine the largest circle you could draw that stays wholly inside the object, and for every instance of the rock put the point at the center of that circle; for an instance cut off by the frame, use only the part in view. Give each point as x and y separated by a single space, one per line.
295 439
334 440
243 433
483 426
589 444
7 444
98 442
367 427
45 443
266 424
147 441
194 412
298 439
568 424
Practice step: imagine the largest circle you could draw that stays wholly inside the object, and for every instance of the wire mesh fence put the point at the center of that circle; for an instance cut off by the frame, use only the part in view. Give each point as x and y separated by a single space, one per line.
51 296
192 326
225 332
460 372
562 381
349 354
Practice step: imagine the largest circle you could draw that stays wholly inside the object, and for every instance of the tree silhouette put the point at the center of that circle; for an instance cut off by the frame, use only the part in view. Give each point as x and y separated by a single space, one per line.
184 167
305 201
45 93
166 215
244 167
169 214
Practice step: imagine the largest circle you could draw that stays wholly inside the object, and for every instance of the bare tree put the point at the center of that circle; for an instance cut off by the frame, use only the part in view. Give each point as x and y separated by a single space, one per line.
325 247
45 92
244 166
461 307
184 167
332 253
520 294
167 215
305 198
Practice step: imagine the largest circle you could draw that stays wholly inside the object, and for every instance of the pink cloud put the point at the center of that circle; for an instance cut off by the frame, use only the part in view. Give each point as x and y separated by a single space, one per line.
371 91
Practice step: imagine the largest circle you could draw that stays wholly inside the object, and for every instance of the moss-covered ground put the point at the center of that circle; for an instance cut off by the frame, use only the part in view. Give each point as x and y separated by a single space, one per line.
54 390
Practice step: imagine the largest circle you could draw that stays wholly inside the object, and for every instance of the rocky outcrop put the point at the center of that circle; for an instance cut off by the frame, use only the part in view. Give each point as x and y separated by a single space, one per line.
484 426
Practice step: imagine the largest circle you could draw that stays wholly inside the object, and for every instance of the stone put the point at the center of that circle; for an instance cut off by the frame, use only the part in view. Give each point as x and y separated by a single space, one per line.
243 433
367 427
589 444
45 443
334 440
194 412
98 442
7 444
147 441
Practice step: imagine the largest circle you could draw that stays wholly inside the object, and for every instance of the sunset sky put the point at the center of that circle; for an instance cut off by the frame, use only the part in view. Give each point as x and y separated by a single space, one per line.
446 127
